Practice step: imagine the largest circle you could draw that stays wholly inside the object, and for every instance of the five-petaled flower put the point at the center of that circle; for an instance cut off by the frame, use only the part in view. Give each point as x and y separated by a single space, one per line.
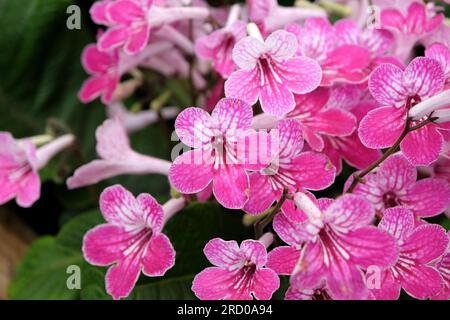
131 240
339 243
239 272
418 247
397 91
394 184
268 71
290 168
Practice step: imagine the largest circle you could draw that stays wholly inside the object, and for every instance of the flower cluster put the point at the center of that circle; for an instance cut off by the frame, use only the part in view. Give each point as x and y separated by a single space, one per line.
291 105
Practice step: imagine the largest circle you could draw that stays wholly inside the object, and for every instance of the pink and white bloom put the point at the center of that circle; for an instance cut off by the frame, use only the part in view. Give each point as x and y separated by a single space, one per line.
20 163
410 27
443 266
418 247
218 158
394 184
131 240
341 63
270 16
130 22
116 158
339 243
290 168
268 71
238 272
218 45
398 91
440 53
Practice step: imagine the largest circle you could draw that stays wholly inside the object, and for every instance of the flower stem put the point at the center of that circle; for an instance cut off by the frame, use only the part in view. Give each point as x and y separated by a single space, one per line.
260 225
357 178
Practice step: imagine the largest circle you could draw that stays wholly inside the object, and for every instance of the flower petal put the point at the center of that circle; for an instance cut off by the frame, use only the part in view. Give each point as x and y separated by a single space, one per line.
152 212
137 41
422 146
261 194
192 127
291 232
265 283
231 186
255 252
389 287
301 75
224 254
386 85
122 277
158 257
290 138
95 61
113 38
124 11
396 174
112 140
421 282
399 222
350 212
244 85
119 206
232 114
275 97
29 190
424 77
282 260
345 281
281 45
246 52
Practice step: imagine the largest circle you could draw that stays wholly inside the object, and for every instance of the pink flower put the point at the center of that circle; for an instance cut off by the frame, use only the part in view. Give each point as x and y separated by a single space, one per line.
270 16
443 266
331 241
347 63
239 272
268 71
218 45
104 71
440 53
290 168
117 158
20 163
217 158
410 27
130 22
397 91
418 246
131 240
395 184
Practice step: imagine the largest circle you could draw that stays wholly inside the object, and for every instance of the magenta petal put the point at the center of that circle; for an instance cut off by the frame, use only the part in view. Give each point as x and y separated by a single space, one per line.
138 40
311 268
424 77
312 171
291 232
421 282
345 281
122 277
426 243
396 174
282 260
105 244
428 197
113 38
440 53
244 85
119 206
355 153
386 85
191 172
152 212
290 138
302 75
370 246
95 61
399 222
158 257
29 190
255 252
276 99
92 88
261 194
232 114
389 287
265 283
381 127
327 120
192 127
125 11
349 212
224 254
231 186
422 146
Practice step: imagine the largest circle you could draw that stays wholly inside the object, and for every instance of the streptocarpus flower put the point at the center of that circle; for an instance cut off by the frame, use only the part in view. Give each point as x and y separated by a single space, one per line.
131 239
270 16
339 244
410 27
130 22
440 53
346 63
117 158
418 247
443 266
218 45
268 71
238 272
290 168
397 91
20 163
216 158
394 184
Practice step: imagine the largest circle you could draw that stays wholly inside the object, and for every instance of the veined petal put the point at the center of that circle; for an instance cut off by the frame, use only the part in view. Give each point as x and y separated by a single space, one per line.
231 186
290 138
349 212
312 171
192 127
244 84
158 257
399 222
122 277
232 114
119 206
275 97
265 283
421 282
282 260
345 281
255 252
396 174
386 85
224 254
422 146
424 77
301 75
281 45
247 51
152 212
261 194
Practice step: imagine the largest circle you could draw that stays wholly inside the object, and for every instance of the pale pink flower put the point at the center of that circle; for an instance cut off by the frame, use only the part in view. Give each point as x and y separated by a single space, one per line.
130 22
20 163
238 272
218 45
394 184
342 63
332 241
270 16
131 239
418 247
290 168
398 91
409 27
116 158
217 157
268 71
